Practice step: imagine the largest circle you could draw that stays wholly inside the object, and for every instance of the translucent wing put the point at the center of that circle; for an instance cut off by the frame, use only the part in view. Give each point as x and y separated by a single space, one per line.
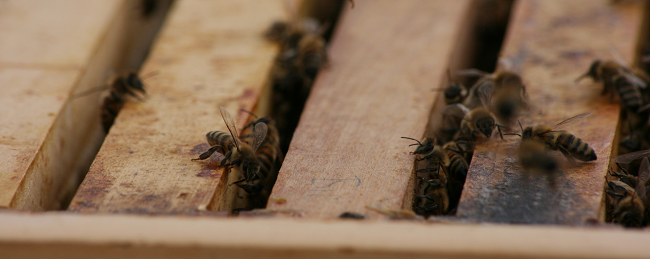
632 78
452 115
571 120
484 91
230 123
472 72
644 176
259 134
630 157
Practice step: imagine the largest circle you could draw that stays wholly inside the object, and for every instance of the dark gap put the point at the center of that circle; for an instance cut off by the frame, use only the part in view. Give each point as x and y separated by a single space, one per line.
143 20
479 47
633 134
290 83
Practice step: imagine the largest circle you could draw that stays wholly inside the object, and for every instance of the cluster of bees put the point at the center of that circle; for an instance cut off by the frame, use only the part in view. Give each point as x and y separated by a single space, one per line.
627 182
302 55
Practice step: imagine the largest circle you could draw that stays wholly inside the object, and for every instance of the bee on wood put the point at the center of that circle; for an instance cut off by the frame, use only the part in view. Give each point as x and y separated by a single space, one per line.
555 139
454 92
533 157
267 153
432 197
618 79
351 215
502 93
238 153
121 88
474 123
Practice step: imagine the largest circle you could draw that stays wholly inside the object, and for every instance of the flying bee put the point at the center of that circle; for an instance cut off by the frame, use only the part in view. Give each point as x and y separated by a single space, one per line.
236 152
618 79
454 92
503 93
555 139
533 157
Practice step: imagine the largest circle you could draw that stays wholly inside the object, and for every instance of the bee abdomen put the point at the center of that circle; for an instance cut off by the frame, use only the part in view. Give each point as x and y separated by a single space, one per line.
220 138
576 147
457 166
629 93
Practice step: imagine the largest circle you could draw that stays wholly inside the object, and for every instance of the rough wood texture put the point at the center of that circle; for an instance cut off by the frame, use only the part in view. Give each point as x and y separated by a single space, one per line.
346 153
557 40
51 49
119 236
210 54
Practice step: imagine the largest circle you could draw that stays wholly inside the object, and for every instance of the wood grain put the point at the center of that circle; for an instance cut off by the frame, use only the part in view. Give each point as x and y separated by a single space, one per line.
346 153
51 49
62 235
209 54
557 41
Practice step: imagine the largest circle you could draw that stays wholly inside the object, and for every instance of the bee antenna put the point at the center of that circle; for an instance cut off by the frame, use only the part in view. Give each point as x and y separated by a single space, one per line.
522 128
250 113
419 143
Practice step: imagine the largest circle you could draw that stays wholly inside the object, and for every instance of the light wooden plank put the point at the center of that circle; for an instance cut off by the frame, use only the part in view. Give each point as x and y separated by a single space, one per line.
47 51
209 54
557 40
127 236
346 152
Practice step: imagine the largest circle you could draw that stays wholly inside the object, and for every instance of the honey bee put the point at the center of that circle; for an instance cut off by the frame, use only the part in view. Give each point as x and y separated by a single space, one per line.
555 139
533 157
503 93
474 123
627 197
458 166
267 153
432 197
454 92
618 79
238 153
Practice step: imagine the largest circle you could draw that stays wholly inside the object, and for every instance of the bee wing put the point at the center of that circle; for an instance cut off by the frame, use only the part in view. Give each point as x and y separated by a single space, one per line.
455 110
630 157
484 90
259 134
472 72
571 120
644 176
230 123
632 78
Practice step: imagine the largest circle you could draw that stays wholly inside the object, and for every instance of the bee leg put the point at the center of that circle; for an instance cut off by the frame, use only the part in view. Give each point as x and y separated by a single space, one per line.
223 161
236 182
567 155
615 194
208 153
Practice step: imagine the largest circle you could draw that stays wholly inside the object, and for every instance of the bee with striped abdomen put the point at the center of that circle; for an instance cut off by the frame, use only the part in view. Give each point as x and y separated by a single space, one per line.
236 152
619 79
454 92
267 153
555 139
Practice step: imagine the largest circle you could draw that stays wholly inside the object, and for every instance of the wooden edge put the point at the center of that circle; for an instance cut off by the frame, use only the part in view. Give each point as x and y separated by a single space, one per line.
69 236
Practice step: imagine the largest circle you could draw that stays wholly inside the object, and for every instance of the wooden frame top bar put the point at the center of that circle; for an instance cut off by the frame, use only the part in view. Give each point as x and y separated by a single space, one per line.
556 42
346 152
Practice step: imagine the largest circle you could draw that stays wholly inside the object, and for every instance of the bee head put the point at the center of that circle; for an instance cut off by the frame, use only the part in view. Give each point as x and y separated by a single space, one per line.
133 80
453 91
251 170
485 126
527 133
592 72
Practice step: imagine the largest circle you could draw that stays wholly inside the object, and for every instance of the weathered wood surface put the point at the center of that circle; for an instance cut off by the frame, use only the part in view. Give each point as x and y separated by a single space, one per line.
346 153
209 54
59 235
557 40
51 49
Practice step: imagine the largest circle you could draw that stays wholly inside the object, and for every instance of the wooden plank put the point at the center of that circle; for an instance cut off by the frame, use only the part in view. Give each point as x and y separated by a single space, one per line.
51 49
65 235
346 152
557 40
209 54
